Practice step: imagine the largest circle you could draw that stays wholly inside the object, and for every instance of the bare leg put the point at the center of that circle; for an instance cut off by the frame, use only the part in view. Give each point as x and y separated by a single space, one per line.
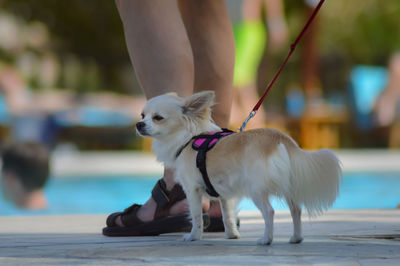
295 211
247 97
211 37
163 60
158 46
262 203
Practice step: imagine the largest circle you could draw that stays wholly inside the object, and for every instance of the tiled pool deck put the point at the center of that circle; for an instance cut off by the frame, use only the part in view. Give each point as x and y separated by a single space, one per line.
351 237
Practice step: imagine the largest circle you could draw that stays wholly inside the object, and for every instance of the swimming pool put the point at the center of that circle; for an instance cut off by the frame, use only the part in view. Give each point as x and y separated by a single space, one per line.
106 194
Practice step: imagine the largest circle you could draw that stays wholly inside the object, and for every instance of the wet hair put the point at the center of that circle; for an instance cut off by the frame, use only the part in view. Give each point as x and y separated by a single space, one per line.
29 162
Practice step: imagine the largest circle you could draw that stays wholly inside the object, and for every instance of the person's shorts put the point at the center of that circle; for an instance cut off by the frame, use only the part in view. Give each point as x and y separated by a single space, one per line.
250 41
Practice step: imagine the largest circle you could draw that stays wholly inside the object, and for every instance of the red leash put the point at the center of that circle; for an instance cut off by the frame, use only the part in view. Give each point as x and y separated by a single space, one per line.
292 48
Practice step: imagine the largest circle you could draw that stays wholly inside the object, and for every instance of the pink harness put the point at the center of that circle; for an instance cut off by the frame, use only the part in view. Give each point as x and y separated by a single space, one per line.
199 140
202 144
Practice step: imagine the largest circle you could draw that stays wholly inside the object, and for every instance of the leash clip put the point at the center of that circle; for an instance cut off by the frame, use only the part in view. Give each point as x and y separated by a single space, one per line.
251 115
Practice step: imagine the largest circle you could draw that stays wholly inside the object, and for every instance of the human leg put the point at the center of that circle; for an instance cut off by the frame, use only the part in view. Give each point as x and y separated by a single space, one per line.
211 37
158 46
250 38
162 57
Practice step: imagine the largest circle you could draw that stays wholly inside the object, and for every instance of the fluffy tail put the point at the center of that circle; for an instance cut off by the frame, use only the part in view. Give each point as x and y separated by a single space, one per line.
315 178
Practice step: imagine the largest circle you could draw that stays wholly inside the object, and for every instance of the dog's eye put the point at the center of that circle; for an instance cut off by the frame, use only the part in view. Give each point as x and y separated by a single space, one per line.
158 117
142 115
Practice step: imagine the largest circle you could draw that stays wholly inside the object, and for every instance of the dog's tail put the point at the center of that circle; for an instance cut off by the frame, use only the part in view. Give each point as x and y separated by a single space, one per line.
315 178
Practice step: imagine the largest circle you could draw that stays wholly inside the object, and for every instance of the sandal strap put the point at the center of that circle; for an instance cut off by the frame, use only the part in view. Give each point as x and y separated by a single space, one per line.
165 199
177 193
129 216
160 193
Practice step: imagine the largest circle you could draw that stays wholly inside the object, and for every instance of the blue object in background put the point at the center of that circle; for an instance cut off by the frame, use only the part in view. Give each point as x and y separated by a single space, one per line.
295 102
93 117
366 84
4 114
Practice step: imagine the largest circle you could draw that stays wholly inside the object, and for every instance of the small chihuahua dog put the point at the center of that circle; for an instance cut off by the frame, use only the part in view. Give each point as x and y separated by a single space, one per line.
255 164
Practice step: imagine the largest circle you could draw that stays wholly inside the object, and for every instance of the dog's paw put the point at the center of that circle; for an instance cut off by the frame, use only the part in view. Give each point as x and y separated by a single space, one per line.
264 241
295 239
233 235
191 237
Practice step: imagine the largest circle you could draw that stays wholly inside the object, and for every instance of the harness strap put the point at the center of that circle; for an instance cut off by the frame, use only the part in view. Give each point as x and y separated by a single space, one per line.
201 164
182 148
201 157
203 143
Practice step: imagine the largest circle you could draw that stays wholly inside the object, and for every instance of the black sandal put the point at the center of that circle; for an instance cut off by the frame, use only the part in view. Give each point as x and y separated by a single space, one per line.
161 224
217 225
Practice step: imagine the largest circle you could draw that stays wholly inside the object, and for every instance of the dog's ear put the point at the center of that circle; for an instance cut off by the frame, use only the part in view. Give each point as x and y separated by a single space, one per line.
198 103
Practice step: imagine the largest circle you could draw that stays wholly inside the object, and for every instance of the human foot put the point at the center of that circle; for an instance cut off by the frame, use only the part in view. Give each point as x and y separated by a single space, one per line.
162 203
165 212
146 211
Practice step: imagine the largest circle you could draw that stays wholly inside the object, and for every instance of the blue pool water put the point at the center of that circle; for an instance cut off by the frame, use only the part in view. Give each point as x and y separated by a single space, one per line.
101 195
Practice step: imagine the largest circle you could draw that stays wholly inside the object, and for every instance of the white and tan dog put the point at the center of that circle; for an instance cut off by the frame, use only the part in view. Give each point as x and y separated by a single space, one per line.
255 164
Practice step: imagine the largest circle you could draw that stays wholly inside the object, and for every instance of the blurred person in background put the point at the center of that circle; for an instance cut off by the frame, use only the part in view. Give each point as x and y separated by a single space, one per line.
251 40
176 46
29 121
387 106
24 124
389 100
13 88
310 58
25 171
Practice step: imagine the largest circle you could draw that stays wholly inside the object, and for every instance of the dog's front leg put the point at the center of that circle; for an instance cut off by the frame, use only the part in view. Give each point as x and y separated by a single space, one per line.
196 212
228 208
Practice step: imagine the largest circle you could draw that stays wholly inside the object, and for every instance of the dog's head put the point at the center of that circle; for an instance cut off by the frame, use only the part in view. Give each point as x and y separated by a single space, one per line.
167 114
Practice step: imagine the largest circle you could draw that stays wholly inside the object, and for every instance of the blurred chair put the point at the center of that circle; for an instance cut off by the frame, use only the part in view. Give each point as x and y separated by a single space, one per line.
394 136
366 83
321 129
315 123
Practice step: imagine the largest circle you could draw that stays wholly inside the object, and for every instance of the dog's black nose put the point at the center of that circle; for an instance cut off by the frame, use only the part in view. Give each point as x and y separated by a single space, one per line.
140 125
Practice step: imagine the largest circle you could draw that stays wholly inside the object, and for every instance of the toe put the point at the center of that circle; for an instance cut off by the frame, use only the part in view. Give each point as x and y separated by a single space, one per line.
118 221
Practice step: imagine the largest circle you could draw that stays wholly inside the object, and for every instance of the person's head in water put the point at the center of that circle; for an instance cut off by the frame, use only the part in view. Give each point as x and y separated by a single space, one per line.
25 171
